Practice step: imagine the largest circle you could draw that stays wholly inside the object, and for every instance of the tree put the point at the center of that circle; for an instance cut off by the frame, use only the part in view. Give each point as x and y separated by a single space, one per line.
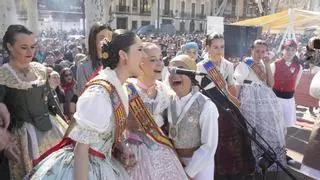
95 11
8 15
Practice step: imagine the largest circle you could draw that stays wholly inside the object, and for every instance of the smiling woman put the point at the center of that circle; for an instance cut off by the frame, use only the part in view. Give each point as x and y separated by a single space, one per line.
23 99
154 160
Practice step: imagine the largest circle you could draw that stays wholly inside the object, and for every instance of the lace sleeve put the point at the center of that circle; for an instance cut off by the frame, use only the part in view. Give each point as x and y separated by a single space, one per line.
84 135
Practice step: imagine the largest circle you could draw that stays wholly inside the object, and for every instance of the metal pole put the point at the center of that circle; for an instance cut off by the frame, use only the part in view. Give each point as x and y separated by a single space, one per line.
83 17
158 16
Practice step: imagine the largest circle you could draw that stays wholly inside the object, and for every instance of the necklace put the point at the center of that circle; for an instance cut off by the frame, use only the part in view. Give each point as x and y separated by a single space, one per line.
148 90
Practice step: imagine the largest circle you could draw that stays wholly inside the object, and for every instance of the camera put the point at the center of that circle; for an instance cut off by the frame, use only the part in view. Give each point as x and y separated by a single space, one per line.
312 54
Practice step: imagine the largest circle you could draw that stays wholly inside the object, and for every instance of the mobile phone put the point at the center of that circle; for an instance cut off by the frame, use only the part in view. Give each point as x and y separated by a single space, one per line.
316 44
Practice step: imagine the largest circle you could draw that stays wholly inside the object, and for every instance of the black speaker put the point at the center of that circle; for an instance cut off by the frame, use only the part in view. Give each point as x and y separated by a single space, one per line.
238 39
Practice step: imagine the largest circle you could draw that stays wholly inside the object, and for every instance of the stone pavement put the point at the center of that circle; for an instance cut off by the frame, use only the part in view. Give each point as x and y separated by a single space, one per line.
298 136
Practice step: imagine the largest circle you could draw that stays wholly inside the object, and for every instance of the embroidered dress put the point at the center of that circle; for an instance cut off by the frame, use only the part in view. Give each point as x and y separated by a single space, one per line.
31 125
95 126
155 161
260 106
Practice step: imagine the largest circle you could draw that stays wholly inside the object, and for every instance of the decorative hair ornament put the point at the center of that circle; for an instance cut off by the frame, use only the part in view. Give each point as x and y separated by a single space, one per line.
106 49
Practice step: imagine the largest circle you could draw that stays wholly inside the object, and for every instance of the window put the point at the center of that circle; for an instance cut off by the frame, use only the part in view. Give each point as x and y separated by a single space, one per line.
143 23
183 6
122 2
167 5
135 3
134 25
144 6
193 10
135 6
202 9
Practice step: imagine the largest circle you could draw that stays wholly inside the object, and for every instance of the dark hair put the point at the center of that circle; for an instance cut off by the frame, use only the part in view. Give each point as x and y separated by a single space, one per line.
10 35
121 40
62 74
92 50
213 36
259 42
56 52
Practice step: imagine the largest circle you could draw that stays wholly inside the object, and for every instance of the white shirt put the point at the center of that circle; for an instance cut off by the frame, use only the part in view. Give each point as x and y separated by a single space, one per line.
244 72
204 156
315 86
226 69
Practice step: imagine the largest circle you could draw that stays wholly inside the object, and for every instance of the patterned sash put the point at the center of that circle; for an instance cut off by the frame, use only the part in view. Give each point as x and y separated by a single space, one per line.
144 118
119 114
217 78
256 69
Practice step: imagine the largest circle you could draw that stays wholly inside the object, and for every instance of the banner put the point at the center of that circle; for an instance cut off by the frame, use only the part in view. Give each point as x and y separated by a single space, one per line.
215 24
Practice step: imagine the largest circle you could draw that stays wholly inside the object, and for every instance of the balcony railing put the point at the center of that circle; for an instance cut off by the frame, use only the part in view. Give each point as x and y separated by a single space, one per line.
122 9
145 12
201 16
167 13
187 15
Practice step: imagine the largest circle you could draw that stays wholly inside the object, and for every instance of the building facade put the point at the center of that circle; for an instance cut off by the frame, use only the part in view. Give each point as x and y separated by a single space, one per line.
185 15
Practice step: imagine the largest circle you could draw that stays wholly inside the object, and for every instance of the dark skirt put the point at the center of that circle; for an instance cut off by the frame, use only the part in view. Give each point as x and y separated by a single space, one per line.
233 154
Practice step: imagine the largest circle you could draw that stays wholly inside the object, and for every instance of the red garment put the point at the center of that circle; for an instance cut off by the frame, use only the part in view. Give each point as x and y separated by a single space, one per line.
65 142
285 76
67 87
96 73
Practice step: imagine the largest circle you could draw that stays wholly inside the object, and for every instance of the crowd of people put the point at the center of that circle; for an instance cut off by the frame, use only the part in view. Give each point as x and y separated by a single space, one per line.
114 110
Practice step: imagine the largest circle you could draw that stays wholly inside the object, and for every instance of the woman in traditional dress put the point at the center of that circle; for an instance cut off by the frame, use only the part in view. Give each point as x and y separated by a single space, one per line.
155 161
259 105
23 97
92 63
85 152
233 159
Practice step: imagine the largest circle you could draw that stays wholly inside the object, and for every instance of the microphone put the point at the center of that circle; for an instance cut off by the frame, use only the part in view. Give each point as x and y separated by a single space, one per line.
187 72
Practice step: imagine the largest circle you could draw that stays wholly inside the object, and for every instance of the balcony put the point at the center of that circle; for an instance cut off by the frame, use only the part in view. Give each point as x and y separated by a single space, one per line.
167 13
201 16
187 15
184 15
122 9
145 12
135 9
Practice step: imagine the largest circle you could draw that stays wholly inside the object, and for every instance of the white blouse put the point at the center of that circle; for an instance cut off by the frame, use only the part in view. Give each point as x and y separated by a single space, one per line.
244 72
94 108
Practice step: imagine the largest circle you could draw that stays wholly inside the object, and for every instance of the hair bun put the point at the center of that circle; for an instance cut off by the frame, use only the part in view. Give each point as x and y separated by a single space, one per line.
106 49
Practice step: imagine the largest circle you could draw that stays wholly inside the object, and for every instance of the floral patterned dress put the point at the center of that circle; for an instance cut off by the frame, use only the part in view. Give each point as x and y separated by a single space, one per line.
95 126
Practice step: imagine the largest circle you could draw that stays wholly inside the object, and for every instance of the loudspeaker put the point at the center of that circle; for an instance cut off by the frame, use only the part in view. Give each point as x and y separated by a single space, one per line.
238 39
